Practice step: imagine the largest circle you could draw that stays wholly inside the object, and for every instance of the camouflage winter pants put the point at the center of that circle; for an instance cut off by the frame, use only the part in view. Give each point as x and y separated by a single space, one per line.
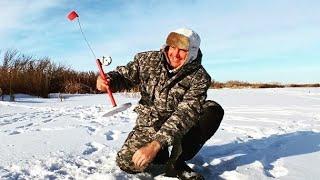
208 124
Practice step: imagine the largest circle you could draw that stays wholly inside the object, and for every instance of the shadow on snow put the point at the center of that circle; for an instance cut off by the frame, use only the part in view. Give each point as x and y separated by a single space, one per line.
266 151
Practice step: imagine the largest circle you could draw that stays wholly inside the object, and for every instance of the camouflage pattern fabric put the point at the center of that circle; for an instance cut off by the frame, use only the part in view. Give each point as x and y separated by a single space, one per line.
170 104
136 139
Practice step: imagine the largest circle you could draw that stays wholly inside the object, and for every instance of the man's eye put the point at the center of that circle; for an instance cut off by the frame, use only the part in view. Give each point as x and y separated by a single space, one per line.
183 50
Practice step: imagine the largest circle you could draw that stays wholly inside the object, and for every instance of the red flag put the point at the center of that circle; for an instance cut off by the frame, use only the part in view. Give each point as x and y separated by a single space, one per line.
72 15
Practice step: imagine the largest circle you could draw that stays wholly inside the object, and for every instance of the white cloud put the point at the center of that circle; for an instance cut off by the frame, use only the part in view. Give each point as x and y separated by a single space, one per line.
231 32
13 13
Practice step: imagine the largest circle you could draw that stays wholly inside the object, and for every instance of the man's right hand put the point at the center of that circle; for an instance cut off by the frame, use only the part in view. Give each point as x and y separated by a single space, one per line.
102 85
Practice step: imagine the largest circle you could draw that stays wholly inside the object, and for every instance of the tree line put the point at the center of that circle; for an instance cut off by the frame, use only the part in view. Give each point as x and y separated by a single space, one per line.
242 84
21 73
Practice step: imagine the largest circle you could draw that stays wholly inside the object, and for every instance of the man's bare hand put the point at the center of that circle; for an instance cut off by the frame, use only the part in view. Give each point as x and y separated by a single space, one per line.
146 154
102 85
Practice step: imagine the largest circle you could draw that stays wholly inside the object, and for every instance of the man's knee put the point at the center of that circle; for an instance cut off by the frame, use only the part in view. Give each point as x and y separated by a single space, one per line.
210 120
135 140
212 108
124 161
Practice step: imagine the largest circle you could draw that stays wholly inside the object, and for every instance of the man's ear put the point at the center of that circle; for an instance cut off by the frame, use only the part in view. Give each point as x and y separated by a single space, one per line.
166 48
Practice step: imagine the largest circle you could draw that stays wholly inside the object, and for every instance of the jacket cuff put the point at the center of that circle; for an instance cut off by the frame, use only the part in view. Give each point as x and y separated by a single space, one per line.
114 81
163 138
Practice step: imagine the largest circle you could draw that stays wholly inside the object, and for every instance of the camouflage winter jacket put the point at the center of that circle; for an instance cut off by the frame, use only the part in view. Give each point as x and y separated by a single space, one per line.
171 104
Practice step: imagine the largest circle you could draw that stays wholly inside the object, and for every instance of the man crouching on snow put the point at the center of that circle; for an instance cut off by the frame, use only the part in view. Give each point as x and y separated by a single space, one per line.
172 111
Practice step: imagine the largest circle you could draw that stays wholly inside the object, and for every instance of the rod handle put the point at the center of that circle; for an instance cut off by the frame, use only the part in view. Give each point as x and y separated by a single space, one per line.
104 77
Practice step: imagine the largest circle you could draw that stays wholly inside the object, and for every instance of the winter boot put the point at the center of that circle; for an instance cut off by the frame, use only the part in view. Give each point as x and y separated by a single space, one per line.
182 171
176 167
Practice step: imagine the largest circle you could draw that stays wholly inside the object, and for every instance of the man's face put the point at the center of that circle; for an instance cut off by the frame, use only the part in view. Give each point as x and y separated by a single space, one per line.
177 57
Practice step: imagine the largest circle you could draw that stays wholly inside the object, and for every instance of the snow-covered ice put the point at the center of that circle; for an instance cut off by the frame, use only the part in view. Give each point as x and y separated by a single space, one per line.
265 134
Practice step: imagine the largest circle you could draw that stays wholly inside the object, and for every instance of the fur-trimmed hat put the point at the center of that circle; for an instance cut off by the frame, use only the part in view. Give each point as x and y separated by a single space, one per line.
187 39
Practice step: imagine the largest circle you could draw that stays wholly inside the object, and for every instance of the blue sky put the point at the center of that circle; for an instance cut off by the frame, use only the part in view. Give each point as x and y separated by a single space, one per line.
247 40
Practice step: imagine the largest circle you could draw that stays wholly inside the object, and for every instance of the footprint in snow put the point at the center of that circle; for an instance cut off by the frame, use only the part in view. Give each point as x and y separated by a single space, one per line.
92 147
90 130
112 135
15 132
24 126
46 121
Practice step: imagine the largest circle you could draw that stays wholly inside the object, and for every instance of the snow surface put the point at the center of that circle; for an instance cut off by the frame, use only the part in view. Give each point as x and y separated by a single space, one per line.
265 134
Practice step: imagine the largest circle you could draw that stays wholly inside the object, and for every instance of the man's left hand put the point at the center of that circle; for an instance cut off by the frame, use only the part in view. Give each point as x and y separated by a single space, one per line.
146 154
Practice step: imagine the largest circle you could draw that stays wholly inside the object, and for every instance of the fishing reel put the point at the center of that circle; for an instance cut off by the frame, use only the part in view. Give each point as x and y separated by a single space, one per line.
106 61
